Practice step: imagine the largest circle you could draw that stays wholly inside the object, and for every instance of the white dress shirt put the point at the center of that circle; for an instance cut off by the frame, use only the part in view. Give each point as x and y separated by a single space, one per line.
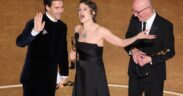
149 22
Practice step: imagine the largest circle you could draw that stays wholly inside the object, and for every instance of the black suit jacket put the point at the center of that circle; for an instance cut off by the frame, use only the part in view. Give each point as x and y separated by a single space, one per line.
163 29
45 52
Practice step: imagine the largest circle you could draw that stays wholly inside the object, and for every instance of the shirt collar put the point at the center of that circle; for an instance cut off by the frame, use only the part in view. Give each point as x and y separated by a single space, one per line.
51 18
151 19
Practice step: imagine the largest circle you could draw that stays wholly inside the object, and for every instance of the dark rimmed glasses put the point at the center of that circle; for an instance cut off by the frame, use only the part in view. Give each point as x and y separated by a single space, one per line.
138 12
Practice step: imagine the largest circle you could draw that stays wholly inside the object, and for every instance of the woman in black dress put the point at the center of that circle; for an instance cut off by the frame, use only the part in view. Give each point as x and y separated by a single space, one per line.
90 77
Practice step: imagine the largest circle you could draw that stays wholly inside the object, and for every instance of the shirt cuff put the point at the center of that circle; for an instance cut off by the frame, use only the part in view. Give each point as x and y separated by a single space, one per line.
34 33
64 77
150 63
130 52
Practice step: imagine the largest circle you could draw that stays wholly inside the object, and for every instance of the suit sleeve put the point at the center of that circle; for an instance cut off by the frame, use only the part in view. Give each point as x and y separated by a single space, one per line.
63 61
25 37
168 44
130 33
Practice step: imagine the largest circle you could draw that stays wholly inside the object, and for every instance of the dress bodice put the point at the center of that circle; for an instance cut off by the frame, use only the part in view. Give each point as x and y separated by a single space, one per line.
90 74
89 51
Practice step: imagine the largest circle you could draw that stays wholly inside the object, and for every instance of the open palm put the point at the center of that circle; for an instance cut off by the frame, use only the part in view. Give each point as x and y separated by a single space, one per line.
38 24
143 35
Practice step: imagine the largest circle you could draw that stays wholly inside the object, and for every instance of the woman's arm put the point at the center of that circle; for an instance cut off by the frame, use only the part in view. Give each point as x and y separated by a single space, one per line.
111 38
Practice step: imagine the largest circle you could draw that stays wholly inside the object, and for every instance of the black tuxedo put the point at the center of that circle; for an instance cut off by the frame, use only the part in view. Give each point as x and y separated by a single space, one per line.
163 30
46 51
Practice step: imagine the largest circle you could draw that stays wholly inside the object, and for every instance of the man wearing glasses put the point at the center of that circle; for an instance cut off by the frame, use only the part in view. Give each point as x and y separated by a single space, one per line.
147 67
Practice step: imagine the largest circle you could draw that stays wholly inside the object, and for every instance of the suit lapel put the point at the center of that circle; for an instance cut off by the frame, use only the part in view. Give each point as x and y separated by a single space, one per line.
154 27
153 31
139 29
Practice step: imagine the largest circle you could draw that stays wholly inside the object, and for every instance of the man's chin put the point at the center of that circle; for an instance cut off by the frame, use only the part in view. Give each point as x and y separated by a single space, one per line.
58 17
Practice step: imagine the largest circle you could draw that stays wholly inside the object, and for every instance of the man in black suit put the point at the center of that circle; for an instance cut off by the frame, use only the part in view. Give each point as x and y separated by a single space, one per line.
47 52
147 65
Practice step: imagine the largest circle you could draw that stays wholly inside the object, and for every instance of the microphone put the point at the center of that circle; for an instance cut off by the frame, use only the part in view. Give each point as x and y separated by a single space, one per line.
74 43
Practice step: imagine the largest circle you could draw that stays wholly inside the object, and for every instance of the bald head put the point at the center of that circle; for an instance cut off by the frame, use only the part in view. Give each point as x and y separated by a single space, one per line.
142 9
141 4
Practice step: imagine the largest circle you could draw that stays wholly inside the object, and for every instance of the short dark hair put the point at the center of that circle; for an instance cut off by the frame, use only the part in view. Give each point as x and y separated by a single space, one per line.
49 2
92 5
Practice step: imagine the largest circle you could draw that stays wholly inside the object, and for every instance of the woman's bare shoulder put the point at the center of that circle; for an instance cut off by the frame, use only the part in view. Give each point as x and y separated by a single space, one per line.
103 29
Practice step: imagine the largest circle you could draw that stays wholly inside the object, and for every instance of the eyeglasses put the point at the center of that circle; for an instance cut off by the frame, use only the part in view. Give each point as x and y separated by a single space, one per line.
138 12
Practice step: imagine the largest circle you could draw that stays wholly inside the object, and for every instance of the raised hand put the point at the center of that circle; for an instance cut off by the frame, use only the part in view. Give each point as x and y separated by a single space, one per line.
38 24
144 35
